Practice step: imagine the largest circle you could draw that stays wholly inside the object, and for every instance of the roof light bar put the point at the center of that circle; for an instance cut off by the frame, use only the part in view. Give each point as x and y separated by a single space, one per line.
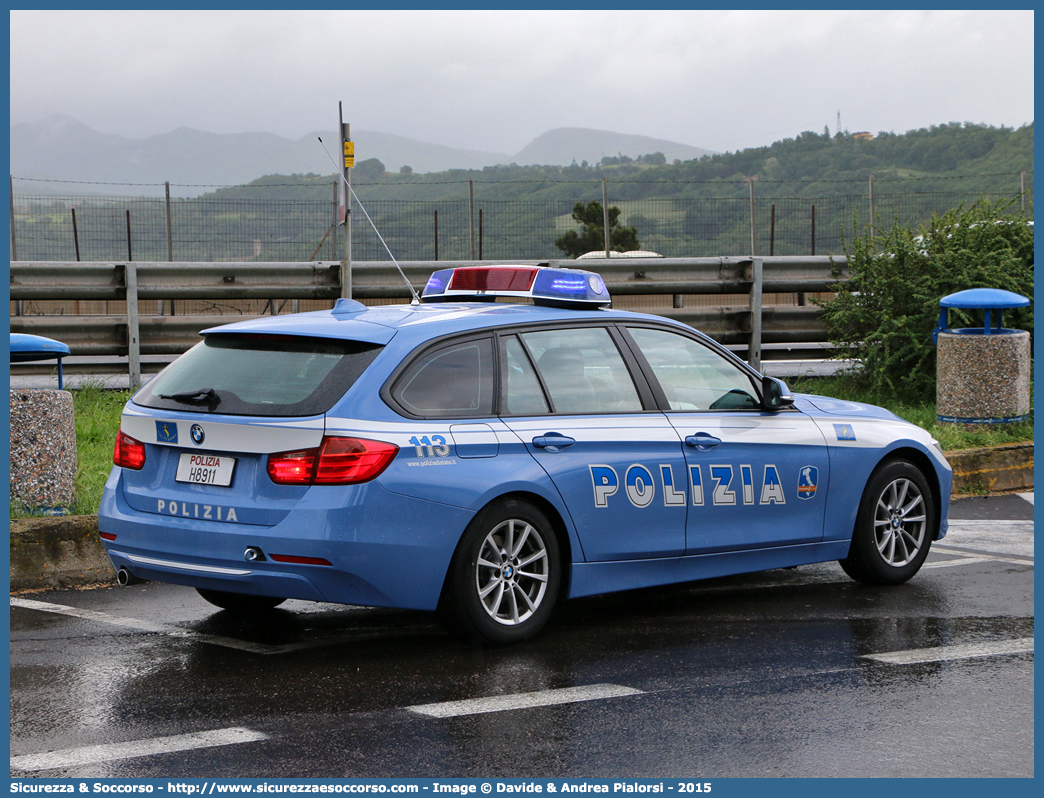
557 287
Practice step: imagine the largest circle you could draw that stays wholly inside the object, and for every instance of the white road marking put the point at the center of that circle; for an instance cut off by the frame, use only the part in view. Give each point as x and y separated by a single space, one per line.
93 615
174 631
947 653
958 561
542 698
993 537
1027 496
148 626
73 757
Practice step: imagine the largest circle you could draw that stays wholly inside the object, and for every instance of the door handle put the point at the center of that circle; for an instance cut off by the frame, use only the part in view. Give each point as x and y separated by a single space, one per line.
702 441
553 441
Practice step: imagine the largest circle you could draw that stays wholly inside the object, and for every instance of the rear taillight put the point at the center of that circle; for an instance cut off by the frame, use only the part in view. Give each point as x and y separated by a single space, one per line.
336 461
129 453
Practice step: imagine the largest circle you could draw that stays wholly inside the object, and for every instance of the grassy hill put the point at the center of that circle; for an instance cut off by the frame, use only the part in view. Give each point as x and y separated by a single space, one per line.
953 157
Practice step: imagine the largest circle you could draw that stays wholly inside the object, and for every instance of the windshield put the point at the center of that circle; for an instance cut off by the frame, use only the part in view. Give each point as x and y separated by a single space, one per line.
259 375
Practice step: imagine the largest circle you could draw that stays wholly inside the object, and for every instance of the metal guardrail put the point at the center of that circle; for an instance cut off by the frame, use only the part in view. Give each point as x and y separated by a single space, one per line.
133 335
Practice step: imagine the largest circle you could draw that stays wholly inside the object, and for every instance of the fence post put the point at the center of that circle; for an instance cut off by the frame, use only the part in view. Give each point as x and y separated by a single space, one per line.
170 242
873 209
133 339
436 234
1022 197
757 281
14 247
130 256
753 222
605 215
480 234
471 215
772 231
76 235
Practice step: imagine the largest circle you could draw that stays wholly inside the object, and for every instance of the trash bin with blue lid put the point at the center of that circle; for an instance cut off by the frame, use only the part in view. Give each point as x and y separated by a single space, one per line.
26 348
983 373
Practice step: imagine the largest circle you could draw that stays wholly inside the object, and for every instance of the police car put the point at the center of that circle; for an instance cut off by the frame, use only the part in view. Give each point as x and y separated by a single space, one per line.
488 459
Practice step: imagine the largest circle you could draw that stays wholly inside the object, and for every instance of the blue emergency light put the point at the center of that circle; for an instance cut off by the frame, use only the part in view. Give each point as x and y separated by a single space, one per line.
569 288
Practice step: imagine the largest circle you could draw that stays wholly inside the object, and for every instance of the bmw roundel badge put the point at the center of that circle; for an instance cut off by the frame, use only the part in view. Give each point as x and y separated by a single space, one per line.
196 432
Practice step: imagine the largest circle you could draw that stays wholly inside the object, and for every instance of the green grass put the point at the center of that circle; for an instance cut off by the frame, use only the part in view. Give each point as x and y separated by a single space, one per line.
98 418
950 436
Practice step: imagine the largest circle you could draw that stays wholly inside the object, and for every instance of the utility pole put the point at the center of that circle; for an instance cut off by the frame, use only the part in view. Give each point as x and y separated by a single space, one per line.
605 216
348 147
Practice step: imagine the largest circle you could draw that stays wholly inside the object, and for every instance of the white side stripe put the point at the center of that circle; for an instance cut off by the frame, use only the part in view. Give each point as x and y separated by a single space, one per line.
946 653
73 757
543 698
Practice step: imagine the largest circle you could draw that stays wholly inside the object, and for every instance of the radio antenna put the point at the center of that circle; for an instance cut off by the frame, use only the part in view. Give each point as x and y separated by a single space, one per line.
413 292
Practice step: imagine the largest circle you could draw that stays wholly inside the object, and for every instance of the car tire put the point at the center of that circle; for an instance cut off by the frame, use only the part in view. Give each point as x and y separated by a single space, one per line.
894 527
239 602
505 575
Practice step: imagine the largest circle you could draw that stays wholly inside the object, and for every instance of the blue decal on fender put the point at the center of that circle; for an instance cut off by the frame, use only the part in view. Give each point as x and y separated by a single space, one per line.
808 482
844 432
166 432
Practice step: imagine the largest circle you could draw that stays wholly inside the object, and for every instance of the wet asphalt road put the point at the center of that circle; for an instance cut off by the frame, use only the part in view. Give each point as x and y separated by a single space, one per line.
770 674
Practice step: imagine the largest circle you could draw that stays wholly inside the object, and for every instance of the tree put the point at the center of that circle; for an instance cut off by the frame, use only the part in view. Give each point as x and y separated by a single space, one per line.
405 170
370 169
592 232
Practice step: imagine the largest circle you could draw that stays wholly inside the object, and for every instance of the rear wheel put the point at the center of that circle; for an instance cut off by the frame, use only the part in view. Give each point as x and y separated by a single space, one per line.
504 578
893 531
239 602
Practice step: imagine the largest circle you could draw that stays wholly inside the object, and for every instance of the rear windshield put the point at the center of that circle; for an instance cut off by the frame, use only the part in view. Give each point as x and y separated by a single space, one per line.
259 375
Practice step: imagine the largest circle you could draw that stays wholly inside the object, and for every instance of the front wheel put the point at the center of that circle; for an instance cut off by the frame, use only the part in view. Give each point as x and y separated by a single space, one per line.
239 602
893 531
504 578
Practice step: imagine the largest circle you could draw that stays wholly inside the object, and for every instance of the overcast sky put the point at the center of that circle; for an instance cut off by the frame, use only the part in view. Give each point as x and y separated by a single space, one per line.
494 80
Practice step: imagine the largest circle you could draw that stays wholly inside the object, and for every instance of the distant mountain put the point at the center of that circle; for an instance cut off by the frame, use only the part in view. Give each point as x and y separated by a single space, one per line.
566 145
61 148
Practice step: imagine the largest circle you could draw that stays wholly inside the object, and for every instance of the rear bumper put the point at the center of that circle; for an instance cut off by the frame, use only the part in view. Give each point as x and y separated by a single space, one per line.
384 549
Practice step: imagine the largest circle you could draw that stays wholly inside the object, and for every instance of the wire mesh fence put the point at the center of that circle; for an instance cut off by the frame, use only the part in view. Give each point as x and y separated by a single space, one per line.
48 227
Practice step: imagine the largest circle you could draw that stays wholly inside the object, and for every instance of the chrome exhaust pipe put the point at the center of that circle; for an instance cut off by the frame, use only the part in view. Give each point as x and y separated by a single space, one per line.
125 578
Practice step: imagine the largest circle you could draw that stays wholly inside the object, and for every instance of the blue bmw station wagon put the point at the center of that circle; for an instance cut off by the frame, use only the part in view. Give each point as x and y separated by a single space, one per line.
488 459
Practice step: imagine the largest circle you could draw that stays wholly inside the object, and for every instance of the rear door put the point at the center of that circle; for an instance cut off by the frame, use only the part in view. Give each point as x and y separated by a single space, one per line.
569 395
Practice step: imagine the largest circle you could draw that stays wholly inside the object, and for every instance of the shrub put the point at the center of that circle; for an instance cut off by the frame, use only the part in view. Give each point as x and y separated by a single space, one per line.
885 316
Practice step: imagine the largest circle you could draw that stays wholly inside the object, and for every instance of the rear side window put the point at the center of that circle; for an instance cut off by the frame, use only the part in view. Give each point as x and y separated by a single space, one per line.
583 371
453 381
259 375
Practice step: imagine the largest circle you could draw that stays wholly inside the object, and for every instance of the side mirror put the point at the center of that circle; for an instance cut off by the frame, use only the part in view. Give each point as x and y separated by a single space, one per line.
775 395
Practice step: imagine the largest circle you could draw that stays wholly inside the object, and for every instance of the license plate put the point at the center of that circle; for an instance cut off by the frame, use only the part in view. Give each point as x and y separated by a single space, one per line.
205 469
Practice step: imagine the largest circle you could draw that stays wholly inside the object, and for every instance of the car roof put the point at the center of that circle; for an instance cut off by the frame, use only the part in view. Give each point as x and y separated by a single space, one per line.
379 324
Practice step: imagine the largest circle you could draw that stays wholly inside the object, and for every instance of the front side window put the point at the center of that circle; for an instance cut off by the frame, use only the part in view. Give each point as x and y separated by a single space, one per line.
454 381
259 375
694 376
583 371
